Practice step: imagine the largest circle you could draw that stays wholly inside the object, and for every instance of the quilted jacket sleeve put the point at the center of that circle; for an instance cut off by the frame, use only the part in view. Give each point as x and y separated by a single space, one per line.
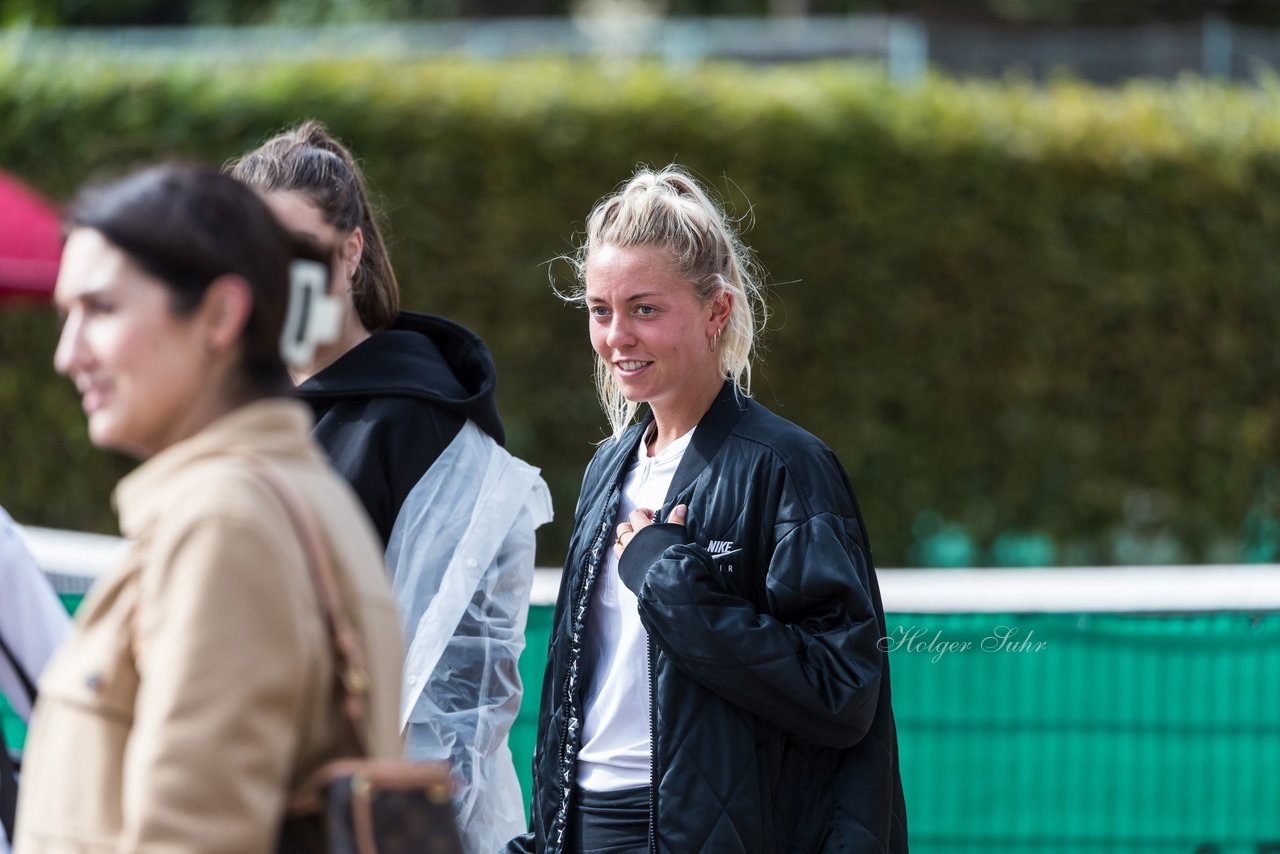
810 665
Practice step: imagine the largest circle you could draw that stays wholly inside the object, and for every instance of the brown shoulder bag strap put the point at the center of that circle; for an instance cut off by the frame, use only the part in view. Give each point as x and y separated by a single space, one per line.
353 676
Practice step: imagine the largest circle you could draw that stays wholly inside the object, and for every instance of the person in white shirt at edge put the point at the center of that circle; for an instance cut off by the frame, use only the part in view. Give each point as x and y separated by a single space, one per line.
32 625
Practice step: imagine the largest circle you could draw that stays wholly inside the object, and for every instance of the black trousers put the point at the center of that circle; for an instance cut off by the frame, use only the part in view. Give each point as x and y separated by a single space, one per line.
609 822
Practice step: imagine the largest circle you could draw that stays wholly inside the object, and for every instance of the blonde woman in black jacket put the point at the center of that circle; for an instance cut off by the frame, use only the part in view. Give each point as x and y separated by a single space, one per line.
715 680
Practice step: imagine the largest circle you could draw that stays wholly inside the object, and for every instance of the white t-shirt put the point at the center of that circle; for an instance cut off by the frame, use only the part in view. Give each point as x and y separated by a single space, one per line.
32 621
615 751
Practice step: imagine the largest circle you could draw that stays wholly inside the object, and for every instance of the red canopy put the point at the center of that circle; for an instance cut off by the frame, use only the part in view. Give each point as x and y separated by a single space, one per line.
30 242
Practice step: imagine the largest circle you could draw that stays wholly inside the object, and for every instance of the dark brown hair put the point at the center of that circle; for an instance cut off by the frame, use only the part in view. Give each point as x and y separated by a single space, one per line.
186 226
308 160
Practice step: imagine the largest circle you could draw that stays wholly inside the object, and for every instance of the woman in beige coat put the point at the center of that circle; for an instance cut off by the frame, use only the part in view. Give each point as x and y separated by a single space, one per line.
197 691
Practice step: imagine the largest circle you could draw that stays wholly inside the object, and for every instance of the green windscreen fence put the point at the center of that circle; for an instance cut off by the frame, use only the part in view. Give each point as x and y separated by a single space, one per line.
1070 733
1065 733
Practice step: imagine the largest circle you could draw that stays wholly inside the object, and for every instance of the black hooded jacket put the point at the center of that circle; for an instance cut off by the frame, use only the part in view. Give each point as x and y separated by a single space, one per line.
387 408
772 729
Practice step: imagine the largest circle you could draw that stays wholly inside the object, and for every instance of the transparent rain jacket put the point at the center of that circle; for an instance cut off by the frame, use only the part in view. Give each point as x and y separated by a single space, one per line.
461 556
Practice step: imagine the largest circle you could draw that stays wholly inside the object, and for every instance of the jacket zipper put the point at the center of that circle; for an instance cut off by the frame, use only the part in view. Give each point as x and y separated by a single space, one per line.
653 735
653 751
562 809
562 813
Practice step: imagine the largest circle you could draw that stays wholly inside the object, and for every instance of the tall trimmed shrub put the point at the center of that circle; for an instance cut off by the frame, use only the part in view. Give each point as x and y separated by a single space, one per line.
1029 313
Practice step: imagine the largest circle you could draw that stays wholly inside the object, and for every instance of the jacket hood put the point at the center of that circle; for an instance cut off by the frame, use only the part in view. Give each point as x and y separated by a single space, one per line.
423 357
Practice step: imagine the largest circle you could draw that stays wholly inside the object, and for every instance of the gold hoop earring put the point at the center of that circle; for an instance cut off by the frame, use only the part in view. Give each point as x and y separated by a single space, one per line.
715 341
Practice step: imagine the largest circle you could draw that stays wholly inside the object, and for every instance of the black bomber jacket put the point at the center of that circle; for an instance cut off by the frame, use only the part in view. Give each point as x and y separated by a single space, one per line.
770 708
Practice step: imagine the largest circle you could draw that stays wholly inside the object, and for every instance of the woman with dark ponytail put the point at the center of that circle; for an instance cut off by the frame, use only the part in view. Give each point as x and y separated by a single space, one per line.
405 407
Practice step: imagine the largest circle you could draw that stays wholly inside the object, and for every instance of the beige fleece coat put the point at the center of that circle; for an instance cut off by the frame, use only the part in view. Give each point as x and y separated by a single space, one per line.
197 690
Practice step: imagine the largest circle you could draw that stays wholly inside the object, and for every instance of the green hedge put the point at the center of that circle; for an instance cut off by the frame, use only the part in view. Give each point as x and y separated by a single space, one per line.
1036 324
